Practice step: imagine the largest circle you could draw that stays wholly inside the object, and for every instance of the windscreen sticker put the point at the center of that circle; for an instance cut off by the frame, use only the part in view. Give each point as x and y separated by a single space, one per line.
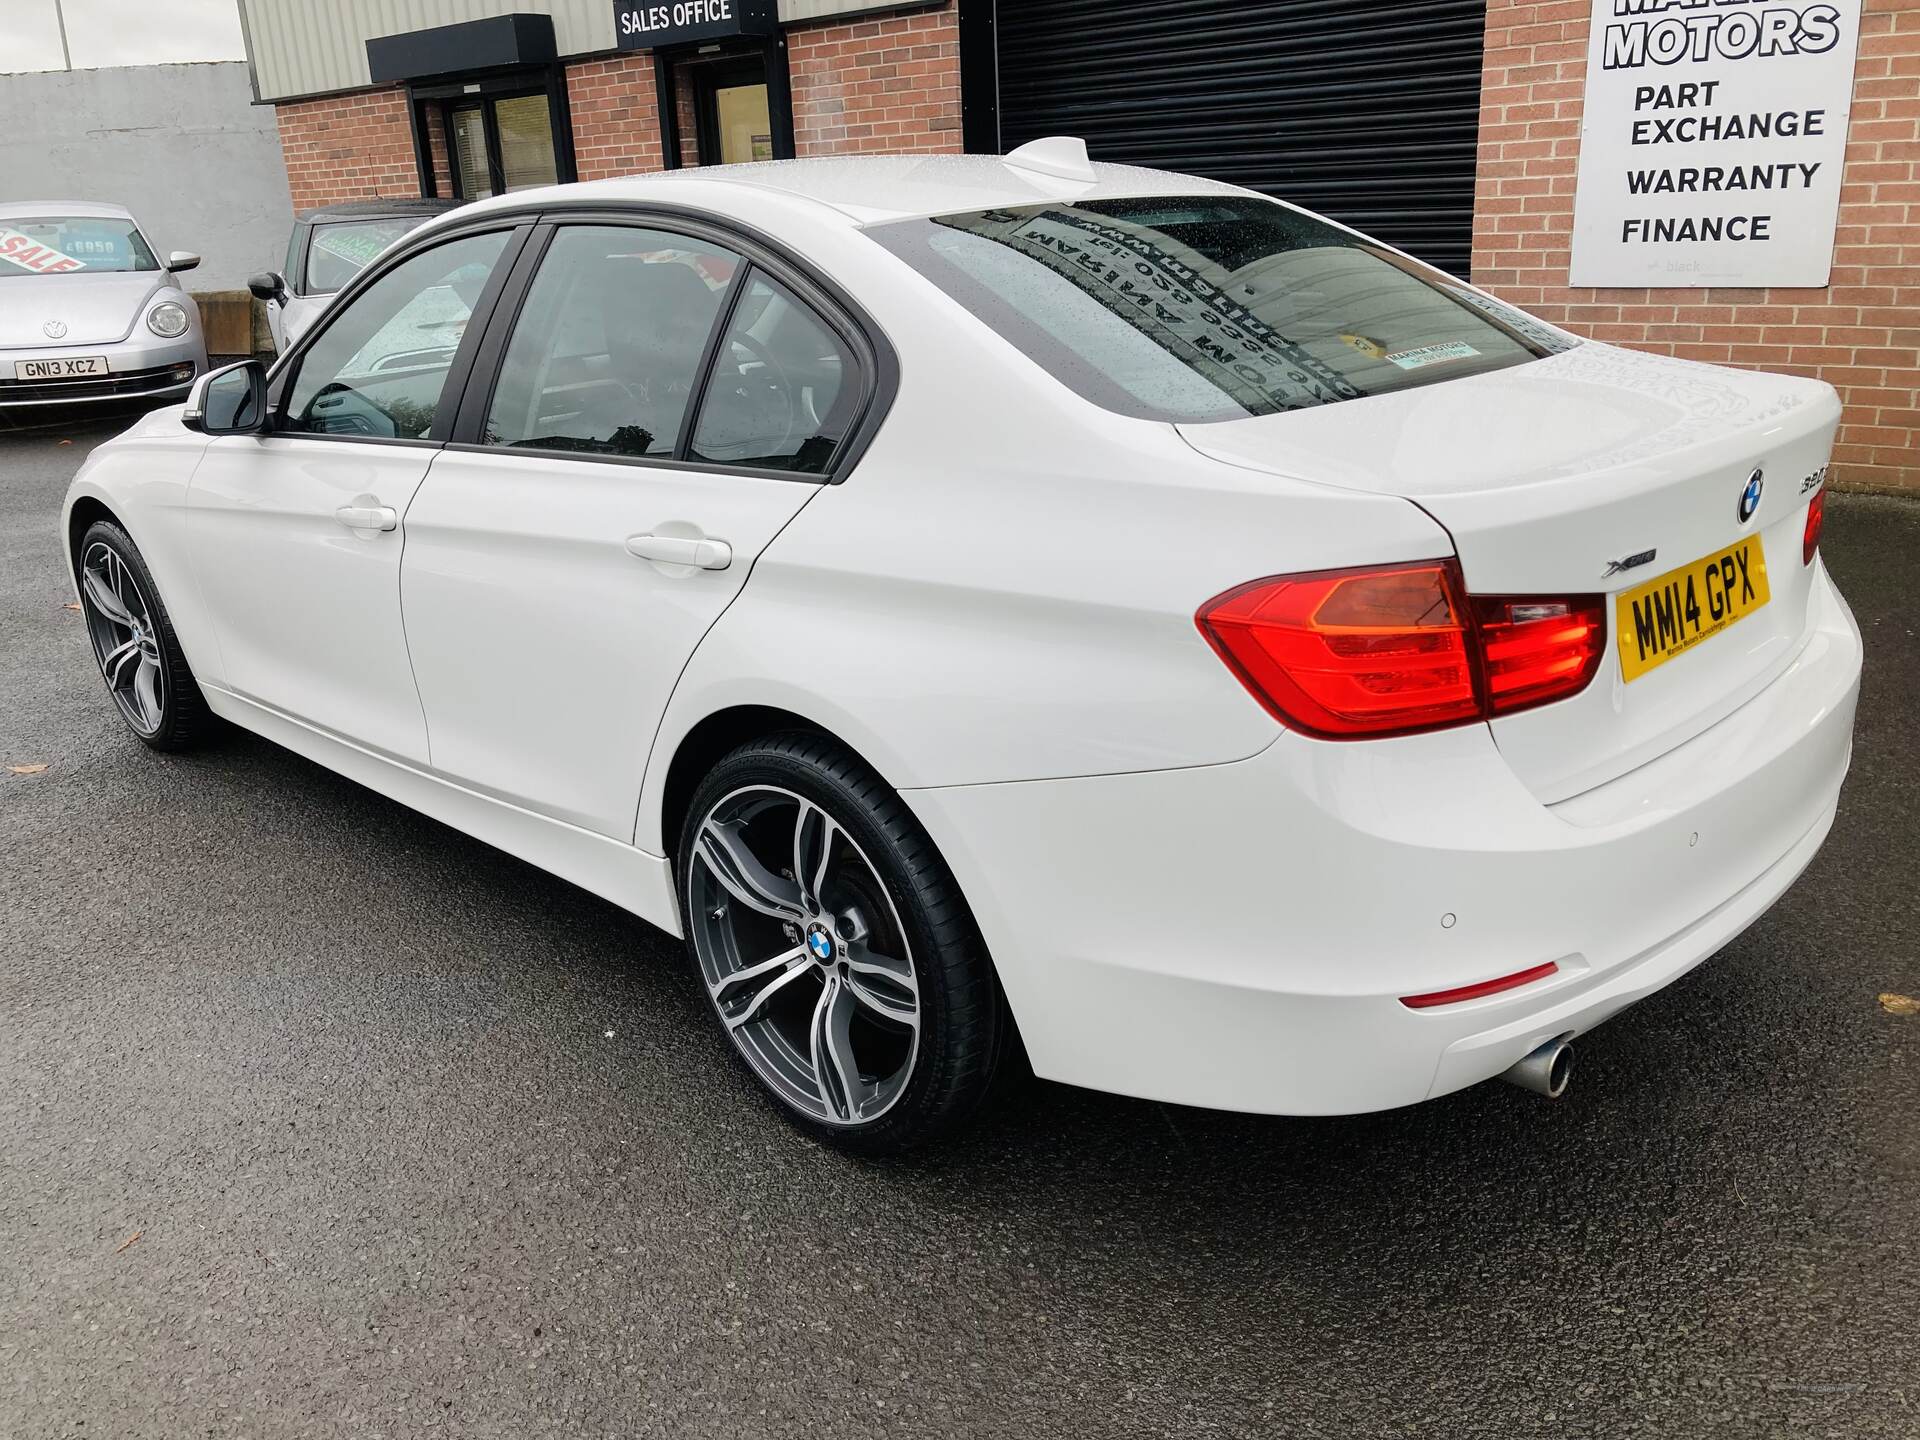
1519 322
350 243
29 254
1168 301
1433 355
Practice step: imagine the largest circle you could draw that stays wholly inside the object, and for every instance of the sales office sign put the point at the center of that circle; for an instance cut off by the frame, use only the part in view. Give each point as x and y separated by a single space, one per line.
1714 136
653 24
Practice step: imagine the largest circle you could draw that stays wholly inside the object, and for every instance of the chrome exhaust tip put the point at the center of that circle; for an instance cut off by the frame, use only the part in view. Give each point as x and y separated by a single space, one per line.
1546 1071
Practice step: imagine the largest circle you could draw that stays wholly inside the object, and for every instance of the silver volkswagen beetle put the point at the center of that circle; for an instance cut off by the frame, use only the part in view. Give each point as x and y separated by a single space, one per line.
88 310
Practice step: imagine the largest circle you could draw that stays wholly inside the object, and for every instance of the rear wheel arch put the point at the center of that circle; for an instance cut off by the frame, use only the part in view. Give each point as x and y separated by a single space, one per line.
710 741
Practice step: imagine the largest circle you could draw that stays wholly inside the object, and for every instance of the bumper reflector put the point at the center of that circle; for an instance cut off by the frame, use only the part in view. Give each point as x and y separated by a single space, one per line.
1482 989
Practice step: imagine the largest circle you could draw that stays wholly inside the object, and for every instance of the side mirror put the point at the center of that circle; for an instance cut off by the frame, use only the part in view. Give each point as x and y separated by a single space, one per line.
267 285
229 401
182 260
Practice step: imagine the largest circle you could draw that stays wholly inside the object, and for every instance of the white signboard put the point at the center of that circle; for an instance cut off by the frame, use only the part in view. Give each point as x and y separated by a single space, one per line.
1714 136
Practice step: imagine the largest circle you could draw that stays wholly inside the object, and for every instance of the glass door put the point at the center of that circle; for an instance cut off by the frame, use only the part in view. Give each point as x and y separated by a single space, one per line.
467 138
498 144
734 112
525 127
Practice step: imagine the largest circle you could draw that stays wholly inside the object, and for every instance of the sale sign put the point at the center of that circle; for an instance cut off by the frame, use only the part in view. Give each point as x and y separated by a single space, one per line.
29 254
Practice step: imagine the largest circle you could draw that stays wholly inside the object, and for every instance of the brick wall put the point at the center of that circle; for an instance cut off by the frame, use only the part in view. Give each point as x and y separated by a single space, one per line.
348 147
891 84
1861 334
616 116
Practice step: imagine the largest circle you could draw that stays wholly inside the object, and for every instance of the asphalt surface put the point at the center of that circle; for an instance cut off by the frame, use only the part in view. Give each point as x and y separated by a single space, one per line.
417 1140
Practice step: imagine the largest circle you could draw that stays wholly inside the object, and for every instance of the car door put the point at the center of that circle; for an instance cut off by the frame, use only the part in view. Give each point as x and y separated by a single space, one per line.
297 531
662 407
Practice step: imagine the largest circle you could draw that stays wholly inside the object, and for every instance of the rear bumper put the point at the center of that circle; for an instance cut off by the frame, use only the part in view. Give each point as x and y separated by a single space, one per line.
1239 936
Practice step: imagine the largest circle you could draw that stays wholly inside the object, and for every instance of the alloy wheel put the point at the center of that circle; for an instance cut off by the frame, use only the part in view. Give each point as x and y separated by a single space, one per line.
804 955
121 624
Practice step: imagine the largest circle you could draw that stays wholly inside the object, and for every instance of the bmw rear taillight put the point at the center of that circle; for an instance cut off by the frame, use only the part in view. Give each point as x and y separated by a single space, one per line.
1816 522
1398 649
1534 651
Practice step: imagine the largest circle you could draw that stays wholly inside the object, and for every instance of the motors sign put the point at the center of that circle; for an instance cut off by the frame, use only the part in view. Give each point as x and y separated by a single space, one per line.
1714 137
655 24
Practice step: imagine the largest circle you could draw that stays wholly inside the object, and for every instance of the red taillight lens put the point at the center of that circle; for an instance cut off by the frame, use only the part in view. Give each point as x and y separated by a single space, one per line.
1347 653
1816 522
1394 650
1539 650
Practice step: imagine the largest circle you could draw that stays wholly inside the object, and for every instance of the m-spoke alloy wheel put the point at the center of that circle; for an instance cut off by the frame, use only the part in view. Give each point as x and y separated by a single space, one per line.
133 641
804 955
833 942
120 621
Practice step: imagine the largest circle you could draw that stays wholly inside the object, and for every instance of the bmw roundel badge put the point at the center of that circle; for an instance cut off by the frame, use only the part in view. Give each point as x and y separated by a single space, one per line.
820 944
1750 497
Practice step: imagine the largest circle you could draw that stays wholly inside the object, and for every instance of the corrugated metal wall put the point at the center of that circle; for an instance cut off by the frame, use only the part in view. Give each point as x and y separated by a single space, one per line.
1366 110
313 47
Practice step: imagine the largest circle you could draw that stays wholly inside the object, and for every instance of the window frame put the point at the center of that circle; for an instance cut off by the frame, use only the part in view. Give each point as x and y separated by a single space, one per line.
875 365
296 261
280 379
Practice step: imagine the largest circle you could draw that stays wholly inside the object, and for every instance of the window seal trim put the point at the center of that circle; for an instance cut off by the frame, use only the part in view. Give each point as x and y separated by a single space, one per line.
642 462
483 378
709 357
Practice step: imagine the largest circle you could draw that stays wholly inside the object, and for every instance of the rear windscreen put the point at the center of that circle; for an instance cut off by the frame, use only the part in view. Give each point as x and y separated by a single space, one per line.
1211 308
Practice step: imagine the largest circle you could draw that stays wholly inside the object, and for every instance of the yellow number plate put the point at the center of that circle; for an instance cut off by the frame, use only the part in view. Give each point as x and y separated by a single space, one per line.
1669 616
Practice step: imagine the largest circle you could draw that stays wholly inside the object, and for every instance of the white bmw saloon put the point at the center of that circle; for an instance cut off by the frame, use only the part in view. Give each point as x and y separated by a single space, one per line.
994 604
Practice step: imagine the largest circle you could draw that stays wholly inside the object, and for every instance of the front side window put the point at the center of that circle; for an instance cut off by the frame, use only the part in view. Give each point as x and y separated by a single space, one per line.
607 349
784 388
72 245
1211 307
377 370
340 250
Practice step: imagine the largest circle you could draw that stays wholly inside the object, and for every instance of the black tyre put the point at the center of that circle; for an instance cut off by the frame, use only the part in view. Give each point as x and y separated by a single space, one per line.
839 955
133 641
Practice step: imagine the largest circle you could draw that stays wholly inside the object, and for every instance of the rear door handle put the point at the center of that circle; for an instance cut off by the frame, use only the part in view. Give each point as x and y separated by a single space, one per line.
367 517
679 550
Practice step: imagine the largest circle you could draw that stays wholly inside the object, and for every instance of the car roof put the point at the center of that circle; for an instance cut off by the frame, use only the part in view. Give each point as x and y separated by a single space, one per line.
376 210
874 189
20 209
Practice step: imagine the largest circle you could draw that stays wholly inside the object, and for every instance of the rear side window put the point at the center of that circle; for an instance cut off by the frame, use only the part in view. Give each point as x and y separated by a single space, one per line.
607 349
784 389
1211 308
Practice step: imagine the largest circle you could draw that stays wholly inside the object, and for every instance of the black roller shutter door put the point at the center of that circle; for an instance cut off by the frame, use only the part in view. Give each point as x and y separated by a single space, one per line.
1365 110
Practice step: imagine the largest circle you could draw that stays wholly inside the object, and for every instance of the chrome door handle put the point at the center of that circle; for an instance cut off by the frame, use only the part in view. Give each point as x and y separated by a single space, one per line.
367 517
679 550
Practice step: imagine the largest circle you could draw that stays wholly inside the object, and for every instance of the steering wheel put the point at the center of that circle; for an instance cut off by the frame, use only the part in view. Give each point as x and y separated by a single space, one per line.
763 434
